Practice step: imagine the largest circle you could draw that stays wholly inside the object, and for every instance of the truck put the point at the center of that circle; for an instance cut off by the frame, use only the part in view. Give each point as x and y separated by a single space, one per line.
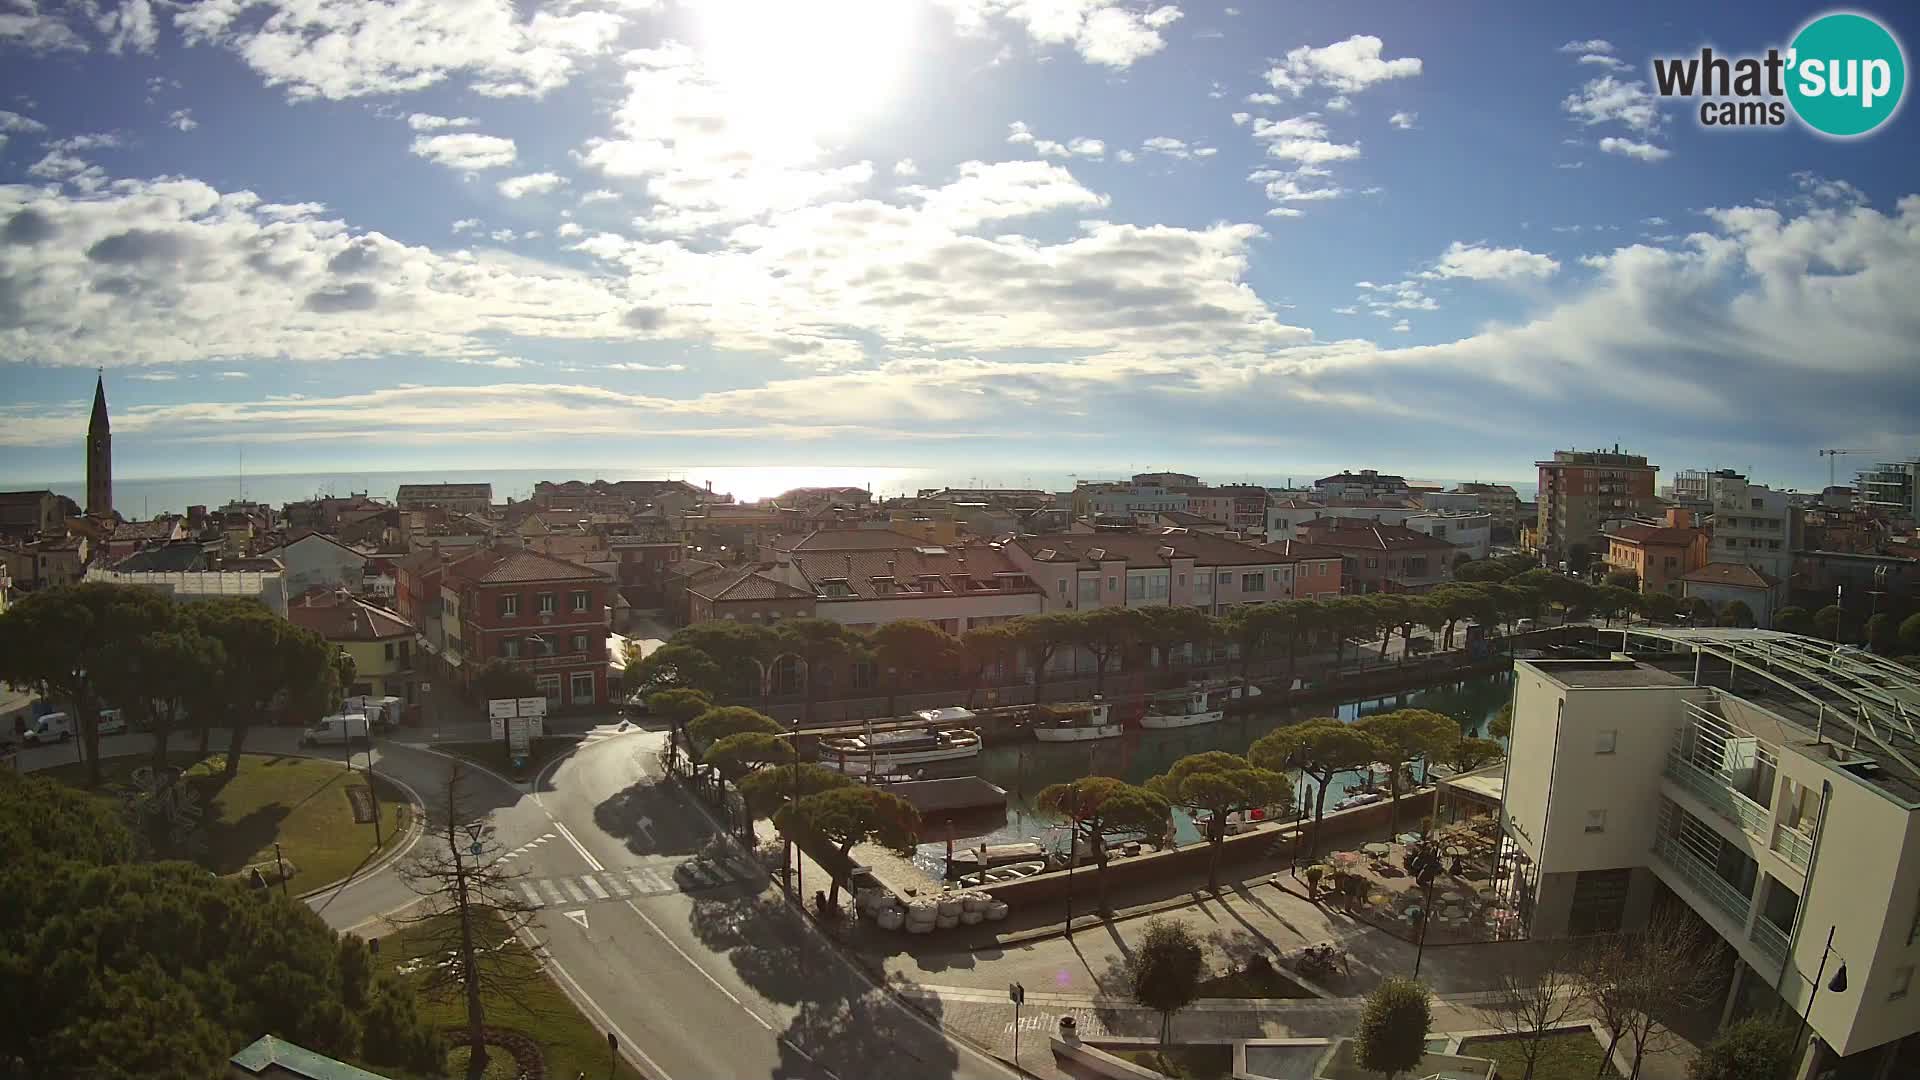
344 729
382 713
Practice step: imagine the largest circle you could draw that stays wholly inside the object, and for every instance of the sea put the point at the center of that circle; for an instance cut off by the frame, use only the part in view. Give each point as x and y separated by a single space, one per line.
143 497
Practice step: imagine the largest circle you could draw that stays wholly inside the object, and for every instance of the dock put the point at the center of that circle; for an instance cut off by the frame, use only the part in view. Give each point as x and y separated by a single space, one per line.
950 795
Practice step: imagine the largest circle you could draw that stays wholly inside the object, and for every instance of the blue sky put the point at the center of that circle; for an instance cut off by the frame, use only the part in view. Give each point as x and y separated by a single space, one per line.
1033 235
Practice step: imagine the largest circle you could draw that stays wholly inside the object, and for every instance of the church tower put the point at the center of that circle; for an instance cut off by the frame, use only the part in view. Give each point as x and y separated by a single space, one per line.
99 454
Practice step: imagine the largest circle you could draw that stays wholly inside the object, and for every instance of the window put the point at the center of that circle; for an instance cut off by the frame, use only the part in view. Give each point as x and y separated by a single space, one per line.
545 603
1373 562
390 650
1060 586
865 675
1136 586
549 686
582 687
581 598
1113 584
1183 581
510 604
1596 821
1253 583
1320 570
579 641
1604 742
510 647
1902 982
1089 589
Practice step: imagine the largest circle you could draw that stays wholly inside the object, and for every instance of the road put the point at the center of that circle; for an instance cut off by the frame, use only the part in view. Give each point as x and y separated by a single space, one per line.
695 959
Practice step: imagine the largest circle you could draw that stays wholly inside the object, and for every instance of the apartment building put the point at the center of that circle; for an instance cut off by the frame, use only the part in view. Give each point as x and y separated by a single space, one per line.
1500 500
1581 488
460 498
536 612
1767 781
1382 558
1661 555
380 642
1365 484
1471 531
866 578
1082 571
1891 487
1286 515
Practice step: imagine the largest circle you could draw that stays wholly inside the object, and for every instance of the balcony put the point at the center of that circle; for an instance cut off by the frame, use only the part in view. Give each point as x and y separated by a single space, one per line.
553 663
1793 846
1771 939
1729 900
1750 816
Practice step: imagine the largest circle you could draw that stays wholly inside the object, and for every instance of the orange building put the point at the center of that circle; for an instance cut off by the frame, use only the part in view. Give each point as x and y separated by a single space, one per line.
1660 555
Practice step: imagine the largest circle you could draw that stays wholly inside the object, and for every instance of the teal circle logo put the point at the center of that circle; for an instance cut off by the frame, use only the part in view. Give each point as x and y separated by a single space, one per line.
1846 75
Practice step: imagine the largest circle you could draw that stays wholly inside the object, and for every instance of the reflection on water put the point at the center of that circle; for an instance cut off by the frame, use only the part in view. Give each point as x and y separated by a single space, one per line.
1027 767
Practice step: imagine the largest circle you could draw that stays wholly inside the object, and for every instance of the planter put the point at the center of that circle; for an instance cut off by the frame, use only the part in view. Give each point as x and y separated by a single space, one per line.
1069 1029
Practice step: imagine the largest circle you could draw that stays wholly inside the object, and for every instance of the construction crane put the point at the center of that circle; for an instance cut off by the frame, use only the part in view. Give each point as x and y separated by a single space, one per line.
1831 454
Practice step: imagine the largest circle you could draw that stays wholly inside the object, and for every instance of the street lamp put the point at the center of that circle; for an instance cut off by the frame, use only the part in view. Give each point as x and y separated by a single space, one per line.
1838 985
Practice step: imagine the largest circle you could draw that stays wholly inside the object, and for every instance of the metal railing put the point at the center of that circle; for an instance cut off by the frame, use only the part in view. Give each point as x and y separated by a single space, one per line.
1771 939
1793 846
1731 901
1750 816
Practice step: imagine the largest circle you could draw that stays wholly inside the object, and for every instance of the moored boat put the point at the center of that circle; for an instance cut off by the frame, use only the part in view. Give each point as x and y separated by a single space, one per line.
1076 722
1178 709
879 752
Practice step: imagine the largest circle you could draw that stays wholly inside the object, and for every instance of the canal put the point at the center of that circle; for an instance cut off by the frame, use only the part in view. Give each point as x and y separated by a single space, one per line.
1024 768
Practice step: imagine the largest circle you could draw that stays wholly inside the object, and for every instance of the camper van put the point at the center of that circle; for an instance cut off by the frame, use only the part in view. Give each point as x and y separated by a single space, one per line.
53 727
341 730
382 713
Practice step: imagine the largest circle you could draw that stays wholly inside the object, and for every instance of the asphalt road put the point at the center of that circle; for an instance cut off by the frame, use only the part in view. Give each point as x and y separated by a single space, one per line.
689 953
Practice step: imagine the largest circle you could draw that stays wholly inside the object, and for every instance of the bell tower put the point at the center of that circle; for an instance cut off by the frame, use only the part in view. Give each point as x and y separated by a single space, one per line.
99 453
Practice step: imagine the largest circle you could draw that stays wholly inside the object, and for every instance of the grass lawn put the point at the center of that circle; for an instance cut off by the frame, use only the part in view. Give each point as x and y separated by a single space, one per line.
1246 985
494 754
1570 1055
300 802
1207 1062
572 1045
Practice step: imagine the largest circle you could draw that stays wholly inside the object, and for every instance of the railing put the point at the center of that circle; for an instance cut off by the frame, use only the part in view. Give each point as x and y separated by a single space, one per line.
540 663
1793 846
1730 804
1771 939
1731 901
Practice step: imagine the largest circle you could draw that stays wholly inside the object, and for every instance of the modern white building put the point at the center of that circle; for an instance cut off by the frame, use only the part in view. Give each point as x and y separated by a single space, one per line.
269 588
1766 780
314 559
1470 531
1752 526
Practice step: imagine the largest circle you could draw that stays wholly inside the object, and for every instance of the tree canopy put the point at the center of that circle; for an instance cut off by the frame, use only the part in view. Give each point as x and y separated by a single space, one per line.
1216 784
1756 1048
744 753
1393 1027
1166 969
844 816
1322 749
1101 809
721 721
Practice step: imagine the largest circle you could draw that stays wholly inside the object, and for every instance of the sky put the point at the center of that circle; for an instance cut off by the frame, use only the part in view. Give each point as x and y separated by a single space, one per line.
995 235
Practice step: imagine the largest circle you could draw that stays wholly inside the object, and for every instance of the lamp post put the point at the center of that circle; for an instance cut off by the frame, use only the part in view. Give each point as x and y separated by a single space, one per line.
1838 986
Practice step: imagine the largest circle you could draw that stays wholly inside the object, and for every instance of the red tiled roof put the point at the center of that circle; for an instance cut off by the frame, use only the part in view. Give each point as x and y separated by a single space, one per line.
509 566
1655 534
1719 573
1299 550
916 570
337 616
1355 534
750 583
851 540
1139 550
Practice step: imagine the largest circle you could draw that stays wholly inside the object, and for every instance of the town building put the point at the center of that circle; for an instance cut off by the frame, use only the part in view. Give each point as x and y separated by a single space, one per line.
1286 515
1137 501
1316 570
460 498
380 642
25 515
1503 502
316 560
748 594
1378 511
1659 554
1083 571
1166 480
1752 525
1860 582
1365 484
127 537
865 578
1382 558
1470 531
1197 522
176 556
1721 584
544 615
99 454
1764 780
49 561
266 586
1581 488
1892 488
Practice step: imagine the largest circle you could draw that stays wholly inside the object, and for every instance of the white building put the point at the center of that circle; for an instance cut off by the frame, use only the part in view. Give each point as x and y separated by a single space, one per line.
1752 526
1767 781
316 559
1470 531
1284 515
268 587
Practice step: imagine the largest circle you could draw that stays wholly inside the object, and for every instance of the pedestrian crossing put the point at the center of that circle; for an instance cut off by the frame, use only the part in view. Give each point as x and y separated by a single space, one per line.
622 883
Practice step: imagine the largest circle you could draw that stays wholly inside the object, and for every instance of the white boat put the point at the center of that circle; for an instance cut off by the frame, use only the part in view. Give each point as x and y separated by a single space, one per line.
1178 709
1000 875
1364 798
1221 691
1077 722
880 752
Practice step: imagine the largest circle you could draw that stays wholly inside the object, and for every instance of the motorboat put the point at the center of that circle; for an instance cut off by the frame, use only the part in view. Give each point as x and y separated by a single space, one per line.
1078 721
1221 691
1000 875
880 752
1179 709
1363 798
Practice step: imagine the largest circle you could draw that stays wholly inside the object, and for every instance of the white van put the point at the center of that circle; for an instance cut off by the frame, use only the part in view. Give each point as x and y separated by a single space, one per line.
53 727
383 713
337 730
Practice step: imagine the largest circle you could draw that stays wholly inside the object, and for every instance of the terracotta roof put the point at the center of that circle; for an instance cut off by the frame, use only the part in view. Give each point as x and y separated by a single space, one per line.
1300 550
178 555
1181 517
1355 534
508 566
1294 504
1139 550
337 616
692 569
160 529
1655 534
1737 574
298 535
747 583
852 540
913 569
1362 478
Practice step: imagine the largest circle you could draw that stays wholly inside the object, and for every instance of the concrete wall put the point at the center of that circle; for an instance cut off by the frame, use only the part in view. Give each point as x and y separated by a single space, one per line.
1624 785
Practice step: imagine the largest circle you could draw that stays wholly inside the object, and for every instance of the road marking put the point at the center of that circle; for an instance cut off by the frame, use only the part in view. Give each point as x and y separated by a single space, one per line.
567 834
577 916
553 894
618 886
587 1004
695 965
533 897
647 881
593 885
579 895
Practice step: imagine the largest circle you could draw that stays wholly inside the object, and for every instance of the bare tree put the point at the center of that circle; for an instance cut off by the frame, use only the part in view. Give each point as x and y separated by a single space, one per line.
1530 1001
1636 983
471 921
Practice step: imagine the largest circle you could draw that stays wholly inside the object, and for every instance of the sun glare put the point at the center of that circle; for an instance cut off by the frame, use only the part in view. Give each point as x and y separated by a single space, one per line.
805 69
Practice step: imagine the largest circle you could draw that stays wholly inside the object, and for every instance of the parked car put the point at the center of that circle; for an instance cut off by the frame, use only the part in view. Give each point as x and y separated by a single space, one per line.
53 727
340 730
112 722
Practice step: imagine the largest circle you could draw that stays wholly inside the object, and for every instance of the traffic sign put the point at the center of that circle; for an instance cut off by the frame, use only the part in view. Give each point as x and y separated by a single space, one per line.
1016 993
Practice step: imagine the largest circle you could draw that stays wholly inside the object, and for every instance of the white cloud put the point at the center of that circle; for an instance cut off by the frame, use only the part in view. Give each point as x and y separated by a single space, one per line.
507 363
24 25
182 120
1610 100
1654 221
153 376
1123 156
1004 191
232 374
1262 99
466 152
1286 212
631 366
1166 144
1345 67
1240 119
428 122
1592 45
598 195
1105 32
1339 103
1611 63
14 122
129 26
341 49
1403 120
905 167
1205 151
1402 327
538 183
568 230
1639 151
1085 147
1348 310
1478 262
1303 139
469 224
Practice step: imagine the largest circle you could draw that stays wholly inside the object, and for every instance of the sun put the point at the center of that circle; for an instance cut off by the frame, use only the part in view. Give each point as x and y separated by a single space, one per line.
805 69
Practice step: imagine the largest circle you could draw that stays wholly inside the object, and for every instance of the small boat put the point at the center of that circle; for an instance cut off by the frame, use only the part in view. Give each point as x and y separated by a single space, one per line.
879 752
990 856
1221 691
1076 722
1000 875
1364 798
1178 709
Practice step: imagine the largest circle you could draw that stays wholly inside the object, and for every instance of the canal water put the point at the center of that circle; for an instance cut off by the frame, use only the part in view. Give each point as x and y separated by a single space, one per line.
1024 768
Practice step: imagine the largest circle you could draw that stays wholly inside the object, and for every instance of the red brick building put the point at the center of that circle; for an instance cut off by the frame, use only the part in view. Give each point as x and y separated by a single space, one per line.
534 611
1382 558
1316 569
